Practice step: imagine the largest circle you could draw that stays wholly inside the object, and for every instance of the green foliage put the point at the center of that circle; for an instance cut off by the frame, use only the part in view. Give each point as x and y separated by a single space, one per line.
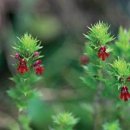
40 113
27 45
25 121
100 74
97 72
23 91
64 121
27 78
122 68
123 41
91 73
21 96
112 126
98 34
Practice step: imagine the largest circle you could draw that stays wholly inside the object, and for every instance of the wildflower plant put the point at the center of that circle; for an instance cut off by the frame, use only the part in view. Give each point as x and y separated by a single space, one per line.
64 121
108 63
98 51
99 37
29 69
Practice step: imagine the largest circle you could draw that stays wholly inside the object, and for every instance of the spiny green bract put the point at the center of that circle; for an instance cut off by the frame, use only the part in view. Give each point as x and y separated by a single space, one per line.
111 126
122 67
123 41
98 33
65 120
27 45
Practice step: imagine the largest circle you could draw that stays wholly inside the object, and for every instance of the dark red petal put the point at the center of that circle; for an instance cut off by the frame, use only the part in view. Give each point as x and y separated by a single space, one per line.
121 96
125 88
102 54
99 55
124 94
39 70
125 98
102 49
22 69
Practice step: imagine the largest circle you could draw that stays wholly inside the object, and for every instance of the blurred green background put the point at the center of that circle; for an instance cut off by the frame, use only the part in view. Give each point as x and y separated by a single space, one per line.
60 25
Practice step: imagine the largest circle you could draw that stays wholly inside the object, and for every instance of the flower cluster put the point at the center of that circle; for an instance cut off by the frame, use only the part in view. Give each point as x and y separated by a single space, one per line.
124 94
28 55
38 67
102 54
23 66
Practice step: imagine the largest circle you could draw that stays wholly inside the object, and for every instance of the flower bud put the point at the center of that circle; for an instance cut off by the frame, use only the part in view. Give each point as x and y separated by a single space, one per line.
38 62
84 59
17 56
36 53
39 69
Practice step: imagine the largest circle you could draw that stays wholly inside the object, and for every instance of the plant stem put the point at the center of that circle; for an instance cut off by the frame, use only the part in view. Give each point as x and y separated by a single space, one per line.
98 105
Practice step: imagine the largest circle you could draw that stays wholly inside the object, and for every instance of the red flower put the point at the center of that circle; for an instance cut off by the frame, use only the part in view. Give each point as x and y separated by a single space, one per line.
39 69
102 54
22 67
38 62
84 59
124 95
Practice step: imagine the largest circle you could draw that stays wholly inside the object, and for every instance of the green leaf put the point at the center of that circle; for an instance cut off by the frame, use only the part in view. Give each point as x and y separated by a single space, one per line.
111 126
12 93
65 120
123 41
27 45
121 67
98 34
